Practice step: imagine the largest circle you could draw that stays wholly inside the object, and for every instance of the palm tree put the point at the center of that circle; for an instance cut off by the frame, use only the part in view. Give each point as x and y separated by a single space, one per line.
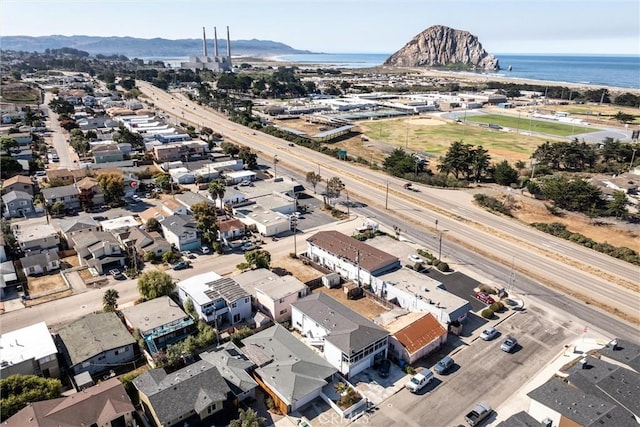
217 189
110 300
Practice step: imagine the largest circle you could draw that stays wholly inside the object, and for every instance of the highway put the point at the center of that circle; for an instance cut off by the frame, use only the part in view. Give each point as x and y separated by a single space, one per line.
573 270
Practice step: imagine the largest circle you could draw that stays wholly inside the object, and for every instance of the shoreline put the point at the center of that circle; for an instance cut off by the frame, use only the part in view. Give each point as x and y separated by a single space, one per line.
274 61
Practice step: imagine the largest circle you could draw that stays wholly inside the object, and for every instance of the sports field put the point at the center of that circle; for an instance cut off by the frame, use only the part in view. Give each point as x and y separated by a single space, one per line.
530 125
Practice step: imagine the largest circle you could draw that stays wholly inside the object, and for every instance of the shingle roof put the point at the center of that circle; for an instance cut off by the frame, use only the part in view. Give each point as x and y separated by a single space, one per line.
154 313
352 250
626 352
97 405
16 195
178 223
233 366
21 179
583 409
94 334
62 191
39 258
292 369
348 330
80 223
189 198
520 419
193 387
420 333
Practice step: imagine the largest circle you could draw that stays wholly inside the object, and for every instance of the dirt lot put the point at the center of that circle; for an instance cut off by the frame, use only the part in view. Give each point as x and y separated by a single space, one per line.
364 306
51 282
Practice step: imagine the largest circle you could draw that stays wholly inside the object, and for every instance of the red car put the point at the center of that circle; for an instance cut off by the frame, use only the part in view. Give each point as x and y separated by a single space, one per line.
485 298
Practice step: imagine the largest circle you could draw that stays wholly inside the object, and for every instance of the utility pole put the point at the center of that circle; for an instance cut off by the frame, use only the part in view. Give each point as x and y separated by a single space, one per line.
440 247
386 198
275 166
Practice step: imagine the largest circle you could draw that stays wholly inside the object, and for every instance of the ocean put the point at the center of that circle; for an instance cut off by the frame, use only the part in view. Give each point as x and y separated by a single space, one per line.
621 71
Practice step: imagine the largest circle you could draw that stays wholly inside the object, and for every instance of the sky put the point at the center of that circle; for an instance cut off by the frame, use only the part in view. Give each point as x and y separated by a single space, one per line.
344 26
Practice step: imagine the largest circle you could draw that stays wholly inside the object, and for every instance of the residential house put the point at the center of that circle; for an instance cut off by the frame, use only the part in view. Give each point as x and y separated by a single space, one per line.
190 396
351 343
181 232
235 368
35 236
352 259
290 372
17 204
68 194
231 229
189 198
166 153
519 419
160 321
154 212
67 176
415 336
264 221
91 193
43 262
18 183
96 343
558 403
106 153
144 241
81 224
174 207
119 224
99 250
218 300
273 294
182 176
29 351
26 154
105 404
24 139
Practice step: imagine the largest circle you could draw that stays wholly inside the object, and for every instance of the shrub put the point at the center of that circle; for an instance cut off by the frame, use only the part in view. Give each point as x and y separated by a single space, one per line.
487 289
410 370
497 306
443 266
487 313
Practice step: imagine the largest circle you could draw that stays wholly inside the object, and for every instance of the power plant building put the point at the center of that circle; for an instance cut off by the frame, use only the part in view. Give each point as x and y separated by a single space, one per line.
216 63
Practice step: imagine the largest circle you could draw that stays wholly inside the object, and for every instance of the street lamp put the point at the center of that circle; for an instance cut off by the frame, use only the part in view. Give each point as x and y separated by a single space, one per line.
440 244
275 167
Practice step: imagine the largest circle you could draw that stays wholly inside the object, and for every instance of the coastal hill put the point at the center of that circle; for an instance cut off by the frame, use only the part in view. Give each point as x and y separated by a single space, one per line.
132 47
440 46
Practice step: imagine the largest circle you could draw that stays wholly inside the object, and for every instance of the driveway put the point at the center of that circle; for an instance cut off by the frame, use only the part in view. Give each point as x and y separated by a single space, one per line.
377 389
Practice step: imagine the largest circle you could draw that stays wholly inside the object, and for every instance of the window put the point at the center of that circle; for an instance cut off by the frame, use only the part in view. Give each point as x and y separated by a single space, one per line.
281 300
283 311
236 318
246 300
234 305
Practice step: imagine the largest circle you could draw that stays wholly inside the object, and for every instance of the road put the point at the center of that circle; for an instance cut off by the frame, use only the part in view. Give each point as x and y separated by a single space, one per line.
567 267
68 157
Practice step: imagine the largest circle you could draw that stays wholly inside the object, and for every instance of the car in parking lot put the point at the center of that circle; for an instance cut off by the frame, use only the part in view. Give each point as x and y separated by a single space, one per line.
509 344
489 334
180 265
415 259
116 274
485 298
99 218
384 368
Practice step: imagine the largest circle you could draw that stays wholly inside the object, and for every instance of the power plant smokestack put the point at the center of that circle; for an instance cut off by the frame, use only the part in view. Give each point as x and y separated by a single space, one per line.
228 44
215 43
204 42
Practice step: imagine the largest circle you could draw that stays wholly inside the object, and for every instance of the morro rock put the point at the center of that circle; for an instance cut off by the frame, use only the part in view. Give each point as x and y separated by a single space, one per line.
441 46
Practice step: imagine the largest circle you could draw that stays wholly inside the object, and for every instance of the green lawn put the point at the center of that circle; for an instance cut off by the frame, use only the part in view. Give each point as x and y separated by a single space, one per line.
526 125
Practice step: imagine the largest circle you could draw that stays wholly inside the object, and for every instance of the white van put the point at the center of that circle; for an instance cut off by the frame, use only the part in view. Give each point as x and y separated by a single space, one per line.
418 381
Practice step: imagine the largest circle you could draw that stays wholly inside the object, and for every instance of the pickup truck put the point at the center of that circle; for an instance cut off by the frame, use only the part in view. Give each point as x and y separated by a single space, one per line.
477 414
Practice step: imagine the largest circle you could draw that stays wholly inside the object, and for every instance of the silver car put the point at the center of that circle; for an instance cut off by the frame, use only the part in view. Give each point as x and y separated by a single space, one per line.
489 334
509 344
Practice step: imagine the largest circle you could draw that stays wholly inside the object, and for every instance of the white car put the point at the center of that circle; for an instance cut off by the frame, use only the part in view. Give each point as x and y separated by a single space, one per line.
205 250
415 259
489 334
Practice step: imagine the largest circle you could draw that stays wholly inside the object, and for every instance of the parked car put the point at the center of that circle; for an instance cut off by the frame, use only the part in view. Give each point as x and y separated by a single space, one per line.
418 381
99 218
116 274
248 247
444 365
205 250
188 254
180 265
485 298
509 344
384 368
415 259
489 334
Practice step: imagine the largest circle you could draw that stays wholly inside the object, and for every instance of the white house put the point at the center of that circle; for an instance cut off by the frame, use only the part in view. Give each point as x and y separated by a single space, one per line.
181 232
217 300
352 259
350 342
43 262
274 294
266 222
36 236
29 351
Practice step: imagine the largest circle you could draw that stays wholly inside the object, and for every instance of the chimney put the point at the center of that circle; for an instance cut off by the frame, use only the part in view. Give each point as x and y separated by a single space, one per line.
204 42
215 40
228 44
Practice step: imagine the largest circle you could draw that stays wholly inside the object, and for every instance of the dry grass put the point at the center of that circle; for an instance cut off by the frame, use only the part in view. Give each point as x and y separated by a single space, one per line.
48 283
54 296
302 272
364 306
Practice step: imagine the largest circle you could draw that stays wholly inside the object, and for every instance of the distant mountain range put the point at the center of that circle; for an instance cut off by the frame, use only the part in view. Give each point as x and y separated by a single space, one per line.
132 47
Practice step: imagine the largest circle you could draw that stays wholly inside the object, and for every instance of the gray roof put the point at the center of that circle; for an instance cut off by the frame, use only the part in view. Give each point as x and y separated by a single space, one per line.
520 419
94 334
626 352
348 330
16 195
227 289
79 223
269 283
189 198
233 366
39 258
154 314
584 409
86 240
287 365
62 191
178 223
191 388
609 382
